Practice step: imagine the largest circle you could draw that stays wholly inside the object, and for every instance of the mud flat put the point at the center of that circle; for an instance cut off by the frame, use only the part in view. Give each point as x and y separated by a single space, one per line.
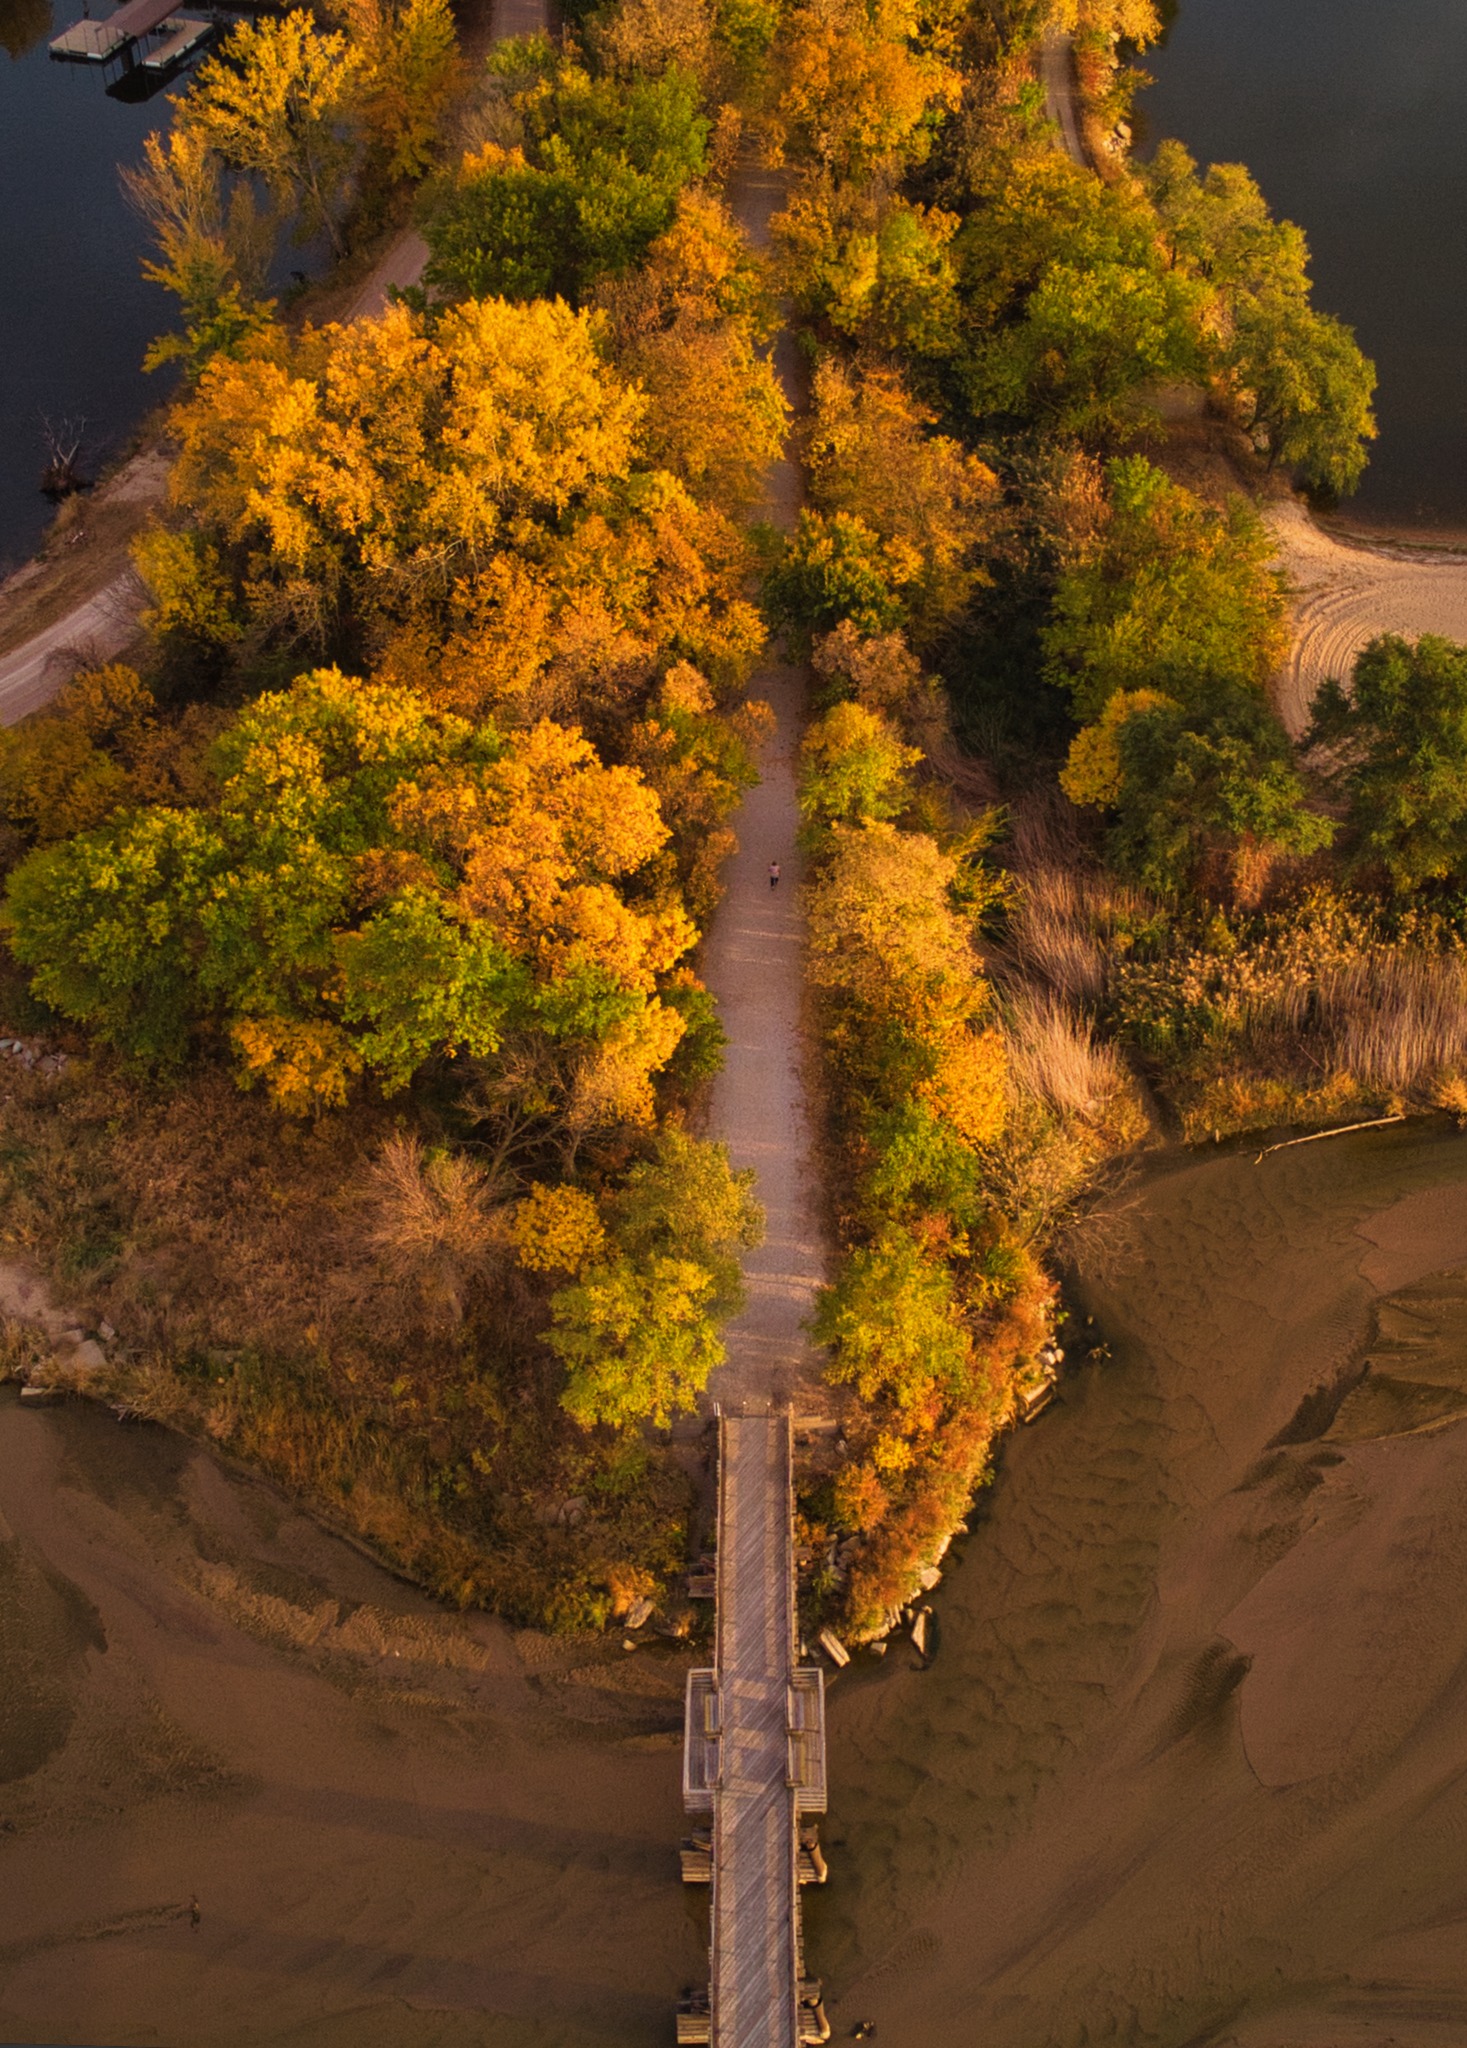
398 1826
1189 1769
1191 1764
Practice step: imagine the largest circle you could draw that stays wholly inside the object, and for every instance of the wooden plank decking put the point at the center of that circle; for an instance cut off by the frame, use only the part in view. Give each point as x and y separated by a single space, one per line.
755 1963
755 1744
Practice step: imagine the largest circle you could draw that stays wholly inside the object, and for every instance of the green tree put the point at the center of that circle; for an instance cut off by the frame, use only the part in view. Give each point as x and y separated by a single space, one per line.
593 183
373 886
893 1328
853 767
837 568
1172 596
1069 305
1306 392
638 1329
1301 385
1090 335
638 1341
1196 792
1399 738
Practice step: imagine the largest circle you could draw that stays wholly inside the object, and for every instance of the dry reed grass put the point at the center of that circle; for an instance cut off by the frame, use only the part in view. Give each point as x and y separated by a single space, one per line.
267 1284
1054 1054
1063 923
1396 1020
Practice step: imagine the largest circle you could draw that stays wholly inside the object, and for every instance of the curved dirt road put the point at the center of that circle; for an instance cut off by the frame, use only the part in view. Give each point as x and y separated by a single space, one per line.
93 631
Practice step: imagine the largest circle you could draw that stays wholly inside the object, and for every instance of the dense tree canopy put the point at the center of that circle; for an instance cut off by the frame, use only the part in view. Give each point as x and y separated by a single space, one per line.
1297 376
1172 595
1206 784
372 886
591 182
638 1327
1399 740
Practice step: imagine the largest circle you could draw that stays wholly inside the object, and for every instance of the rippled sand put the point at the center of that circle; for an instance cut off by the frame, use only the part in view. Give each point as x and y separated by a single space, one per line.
1191 1765
1345 595
402 1829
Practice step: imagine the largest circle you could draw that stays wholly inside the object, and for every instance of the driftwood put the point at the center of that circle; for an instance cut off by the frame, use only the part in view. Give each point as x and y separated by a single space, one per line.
1340 1131
62 476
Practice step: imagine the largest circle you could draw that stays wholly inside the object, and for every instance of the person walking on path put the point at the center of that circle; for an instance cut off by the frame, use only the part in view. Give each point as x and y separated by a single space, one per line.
774 874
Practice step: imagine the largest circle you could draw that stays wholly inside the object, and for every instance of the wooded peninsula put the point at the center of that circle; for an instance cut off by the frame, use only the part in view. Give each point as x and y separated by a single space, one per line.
355 921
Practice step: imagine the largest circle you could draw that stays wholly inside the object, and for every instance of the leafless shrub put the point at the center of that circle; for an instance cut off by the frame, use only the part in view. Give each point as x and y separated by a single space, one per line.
63 471
434 1220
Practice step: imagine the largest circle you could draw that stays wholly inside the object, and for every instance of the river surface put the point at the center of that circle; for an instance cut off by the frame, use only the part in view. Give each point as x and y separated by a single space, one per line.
1189 1769
1349 113
75 312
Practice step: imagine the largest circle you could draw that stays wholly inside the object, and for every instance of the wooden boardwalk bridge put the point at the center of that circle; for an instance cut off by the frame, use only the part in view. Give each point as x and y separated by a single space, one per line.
754 1758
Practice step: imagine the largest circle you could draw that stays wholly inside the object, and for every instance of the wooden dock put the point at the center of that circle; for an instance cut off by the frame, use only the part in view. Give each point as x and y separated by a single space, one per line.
147 32
754 1752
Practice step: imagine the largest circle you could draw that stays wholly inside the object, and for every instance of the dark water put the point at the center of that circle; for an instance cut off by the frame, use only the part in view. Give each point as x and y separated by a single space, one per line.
75 313
1350 113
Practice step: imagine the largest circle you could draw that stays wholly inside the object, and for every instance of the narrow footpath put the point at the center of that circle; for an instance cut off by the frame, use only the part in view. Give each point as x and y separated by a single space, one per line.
754 964
1061 92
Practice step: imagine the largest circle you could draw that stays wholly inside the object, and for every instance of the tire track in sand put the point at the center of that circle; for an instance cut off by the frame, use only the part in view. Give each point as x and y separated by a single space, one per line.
1345 595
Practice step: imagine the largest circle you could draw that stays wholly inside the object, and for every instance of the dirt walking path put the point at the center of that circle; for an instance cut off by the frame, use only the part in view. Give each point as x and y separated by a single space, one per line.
1057 76
754 964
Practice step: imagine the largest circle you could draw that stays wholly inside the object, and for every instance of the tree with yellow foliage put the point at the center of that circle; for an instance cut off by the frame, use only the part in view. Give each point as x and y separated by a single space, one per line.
405 54
212 244
279 102
686 325
654 1271
373 886
853 767
352 466
873 455
860 91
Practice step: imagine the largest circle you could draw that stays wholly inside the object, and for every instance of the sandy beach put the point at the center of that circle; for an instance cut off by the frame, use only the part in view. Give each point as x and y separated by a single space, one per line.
1191 1764
1347 592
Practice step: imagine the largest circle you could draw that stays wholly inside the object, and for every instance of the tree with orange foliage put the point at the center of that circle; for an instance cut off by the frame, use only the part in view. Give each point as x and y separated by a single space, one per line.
373 886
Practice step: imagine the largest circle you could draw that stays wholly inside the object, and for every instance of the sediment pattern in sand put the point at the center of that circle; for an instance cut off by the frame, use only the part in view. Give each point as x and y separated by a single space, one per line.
1191 1765
1345 595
